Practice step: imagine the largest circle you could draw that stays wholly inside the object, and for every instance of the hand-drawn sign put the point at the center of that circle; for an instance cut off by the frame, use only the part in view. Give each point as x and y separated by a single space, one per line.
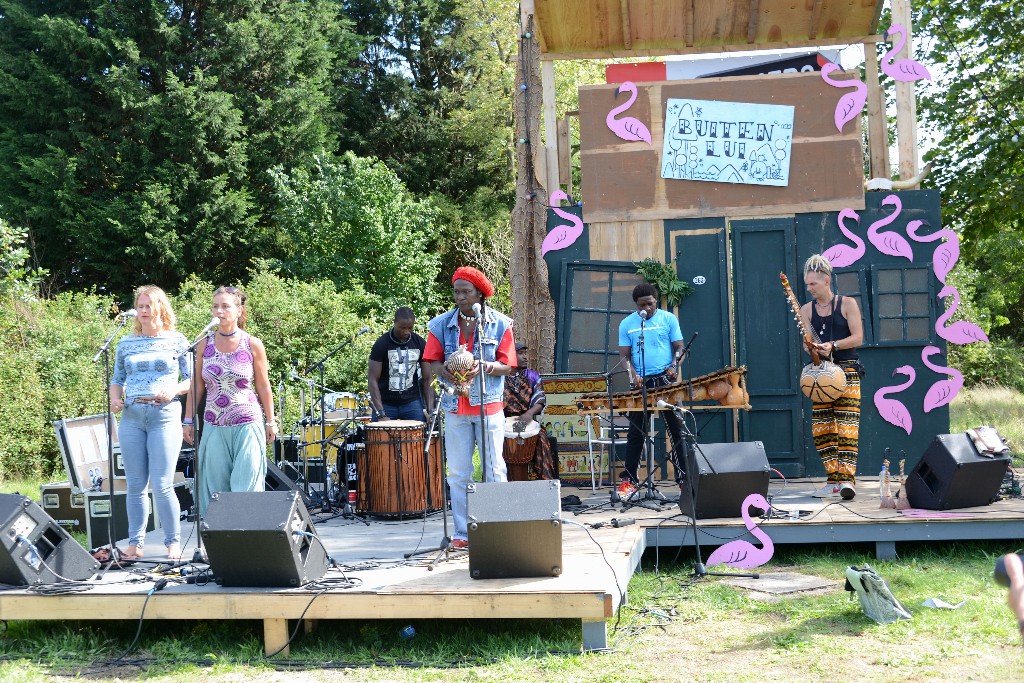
727 142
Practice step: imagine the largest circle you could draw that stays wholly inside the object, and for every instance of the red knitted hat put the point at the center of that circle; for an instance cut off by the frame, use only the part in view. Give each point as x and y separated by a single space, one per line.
476 278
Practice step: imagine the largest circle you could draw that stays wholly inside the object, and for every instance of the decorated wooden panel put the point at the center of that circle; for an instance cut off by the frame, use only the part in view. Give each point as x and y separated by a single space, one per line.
624 154
563 422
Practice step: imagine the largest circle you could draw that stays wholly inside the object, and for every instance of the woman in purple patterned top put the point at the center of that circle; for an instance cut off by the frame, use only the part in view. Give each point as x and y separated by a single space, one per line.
239 412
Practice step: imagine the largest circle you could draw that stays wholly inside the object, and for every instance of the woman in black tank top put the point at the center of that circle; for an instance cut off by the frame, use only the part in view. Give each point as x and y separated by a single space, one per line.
836 320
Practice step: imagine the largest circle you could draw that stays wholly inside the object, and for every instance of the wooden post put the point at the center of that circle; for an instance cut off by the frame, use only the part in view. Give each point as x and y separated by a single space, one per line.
547 77
275 637
906 102
878 130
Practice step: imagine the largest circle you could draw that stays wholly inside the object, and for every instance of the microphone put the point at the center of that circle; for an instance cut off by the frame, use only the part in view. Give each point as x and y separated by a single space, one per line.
477 311
130 313
671 406
362 330
686 348
212 324
642 314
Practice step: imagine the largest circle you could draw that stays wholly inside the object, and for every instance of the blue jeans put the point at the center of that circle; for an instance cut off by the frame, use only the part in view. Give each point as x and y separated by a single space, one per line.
461 437
150 439
413 410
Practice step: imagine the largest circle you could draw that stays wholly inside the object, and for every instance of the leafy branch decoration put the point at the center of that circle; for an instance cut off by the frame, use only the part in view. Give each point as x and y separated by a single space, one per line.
663 276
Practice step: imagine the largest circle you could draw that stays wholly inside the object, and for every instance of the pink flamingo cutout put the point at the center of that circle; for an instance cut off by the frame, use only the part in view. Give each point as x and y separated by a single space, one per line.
743 554
945 390
890 243
892 410
905 69
842 255
962 331
945 255
850 105
627 128
561 236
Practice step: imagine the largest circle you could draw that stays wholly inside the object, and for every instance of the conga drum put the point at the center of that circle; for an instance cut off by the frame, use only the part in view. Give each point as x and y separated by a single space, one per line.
519 448
391 469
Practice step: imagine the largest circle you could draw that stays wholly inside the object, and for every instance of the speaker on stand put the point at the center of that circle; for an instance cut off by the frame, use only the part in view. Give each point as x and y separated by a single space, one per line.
262 539
726 473
952 474
35 548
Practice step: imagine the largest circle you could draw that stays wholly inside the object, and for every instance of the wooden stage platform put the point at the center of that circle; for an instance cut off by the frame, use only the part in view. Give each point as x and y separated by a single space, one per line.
597 565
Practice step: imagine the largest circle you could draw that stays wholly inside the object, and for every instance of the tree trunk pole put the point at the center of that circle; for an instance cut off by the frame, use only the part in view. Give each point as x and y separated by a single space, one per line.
532 306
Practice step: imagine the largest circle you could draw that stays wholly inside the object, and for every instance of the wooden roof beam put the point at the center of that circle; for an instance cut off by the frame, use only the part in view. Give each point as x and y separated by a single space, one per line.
688 17
627 30
739 47
812 31
755 6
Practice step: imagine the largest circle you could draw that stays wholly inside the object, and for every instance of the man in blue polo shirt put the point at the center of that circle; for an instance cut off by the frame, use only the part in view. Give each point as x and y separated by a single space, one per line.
655 366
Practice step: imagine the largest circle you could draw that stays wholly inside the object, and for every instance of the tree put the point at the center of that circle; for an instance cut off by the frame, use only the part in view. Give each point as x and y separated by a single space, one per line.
352 221
136 137
975 112
432 96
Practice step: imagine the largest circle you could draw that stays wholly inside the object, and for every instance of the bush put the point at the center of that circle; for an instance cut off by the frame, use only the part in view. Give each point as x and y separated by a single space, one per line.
47 373
1000 362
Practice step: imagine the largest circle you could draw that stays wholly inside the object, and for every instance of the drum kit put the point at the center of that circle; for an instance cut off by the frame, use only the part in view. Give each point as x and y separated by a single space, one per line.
380 469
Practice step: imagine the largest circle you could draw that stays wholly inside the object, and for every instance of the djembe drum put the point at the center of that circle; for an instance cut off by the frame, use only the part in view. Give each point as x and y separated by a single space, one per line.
392 472
519 448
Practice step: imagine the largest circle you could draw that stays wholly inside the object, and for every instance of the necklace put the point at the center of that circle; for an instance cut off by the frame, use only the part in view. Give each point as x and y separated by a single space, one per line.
229 334
467 318
826 320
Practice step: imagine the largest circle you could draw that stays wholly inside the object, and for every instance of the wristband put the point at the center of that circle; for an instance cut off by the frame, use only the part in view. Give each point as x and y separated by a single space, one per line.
186 422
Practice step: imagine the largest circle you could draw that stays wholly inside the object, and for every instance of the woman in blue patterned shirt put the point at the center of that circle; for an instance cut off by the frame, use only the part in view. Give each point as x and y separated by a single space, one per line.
151 372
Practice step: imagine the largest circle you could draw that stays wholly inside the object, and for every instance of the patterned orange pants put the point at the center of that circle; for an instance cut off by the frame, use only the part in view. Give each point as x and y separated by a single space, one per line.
836 430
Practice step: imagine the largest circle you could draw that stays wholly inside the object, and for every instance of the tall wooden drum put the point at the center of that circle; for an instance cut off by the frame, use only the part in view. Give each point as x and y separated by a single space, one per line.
519 448
392 471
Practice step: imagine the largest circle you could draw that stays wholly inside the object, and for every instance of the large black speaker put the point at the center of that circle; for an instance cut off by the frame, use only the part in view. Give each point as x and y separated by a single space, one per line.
952 474
262 539
726 473
35 548
277 480
515 529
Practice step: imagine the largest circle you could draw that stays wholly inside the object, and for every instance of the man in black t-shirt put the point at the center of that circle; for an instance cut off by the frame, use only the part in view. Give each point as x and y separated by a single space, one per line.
397 373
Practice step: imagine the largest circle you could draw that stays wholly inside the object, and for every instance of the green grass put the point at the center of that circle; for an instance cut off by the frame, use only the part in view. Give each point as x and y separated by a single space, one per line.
999 407
673 627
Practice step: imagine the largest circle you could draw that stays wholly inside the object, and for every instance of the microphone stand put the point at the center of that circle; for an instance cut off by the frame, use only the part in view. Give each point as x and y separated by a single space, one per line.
650 493
347 512
613 498
197 430
689 465
444 550
482 441
104 352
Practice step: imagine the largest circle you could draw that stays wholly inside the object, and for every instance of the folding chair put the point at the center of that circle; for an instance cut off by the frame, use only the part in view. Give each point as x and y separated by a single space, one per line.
599 433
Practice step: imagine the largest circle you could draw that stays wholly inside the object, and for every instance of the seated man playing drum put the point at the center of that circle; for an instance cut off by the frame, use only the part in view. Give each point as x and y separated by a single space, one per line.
525 400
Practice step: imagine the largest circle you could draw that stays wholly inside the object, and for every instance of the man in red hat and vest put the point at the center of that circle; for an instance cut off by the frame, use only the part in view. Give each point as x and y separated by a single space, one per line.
487 334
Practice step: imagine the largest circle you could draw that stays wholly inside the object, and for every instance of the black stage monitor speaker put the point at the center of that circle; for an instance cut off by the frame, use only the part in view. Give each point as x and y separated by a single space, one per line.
951 474
262 539
277 480
726 473
515 529
35 548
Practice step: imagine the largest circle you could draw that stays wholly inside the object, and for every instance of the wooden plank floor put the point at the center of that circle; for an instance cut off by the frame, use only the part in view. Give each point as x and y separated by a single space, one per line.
597 564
